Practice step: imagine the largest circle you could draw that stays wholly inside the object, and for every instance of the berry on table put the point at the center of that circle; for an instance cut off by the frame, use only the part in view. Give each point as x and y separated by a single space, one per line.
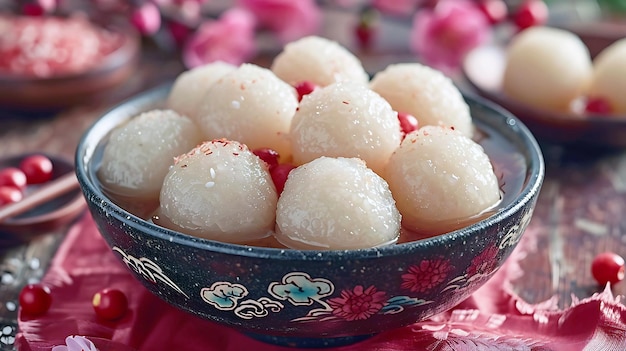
12 176
35 299
10 194
608 267
110 304
37 168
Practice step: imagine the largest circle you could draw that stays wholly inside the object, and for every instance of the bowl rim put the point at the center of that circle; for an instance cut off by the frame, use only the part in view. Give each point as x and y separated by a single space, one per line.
119 113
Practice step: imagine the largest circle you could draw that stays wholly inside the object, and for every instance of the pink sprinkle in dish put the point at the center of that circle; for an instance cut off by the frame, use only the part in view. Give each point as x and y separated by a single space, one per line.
52 46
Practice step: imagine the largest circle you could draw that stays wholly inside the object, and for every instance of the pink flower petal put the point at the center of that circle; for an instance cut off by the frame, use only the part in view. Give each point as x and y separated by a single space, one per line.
229 39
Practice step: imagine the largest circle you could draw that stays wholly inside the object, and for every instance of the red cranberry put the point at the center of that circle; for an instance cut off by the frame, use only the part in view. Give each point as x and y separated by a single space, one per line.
408 122
531 13
305 88
35 299
279 175
34 10
365 36
110 304
146 18
179 32
495 10
13 176
37 168
10 194
270 156
598 106
608 267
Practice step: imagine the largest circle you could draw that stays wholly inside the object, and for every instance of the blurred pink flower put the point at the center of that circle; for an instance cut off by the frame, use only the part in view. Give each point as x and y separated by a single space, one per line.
288 19
441 37
396 7
229 39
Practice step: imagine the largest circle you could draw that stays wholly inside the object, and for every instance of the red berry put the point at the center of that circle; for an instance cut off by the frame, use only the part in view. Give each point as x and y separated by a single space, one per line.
110 304
495 10
179 32
608 267
34 10
10 194
279 175
531 13
270 156
146 18
35 299
598 106
365 36
37 168
408 122
13 176
305 88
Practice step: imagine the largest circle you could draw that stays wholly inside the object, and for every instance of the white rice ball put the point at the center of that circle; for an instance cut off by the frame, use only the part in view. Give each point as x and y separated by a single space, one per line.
220 191
425 93
547 68
190 86
250 105
439 178
140 152
317 60
609 76
345 119
336 204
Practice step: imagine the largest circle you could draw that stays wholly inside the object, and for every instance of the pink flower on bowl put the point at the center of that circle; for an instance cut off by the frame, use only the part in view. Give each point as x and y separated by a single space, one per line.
427 275
359 303
229 39
288 19
441 37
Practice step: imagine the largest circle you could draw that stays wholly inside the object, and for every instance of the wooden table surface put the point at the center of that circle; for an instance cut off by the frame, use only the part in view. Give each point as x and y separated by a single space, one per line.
579 213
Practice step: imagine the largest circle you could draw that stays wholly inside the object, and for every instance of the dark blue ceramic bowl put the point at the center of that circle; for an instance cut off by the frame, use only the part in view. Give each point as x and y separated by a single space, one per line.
319 298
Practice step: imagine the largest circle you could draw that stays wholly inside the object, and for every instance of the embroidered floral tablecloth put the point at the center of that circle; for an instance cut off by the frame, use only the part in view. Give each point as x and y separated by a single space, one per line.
493 318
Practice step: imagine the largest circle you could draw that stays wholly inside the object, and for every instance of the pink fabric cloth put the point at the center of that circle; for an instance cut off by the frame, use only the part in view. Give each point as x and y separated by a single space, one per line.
493 318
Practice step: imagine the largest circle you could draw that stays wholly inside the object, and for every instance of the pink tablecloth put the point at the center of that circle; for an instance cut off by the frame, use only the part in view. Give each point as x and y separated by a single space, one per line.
494 318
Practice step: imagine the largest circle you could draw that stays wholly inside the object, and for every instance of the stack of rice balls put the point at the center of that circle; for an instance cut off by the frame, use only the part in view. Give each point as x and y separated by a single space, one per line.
551 68
310 154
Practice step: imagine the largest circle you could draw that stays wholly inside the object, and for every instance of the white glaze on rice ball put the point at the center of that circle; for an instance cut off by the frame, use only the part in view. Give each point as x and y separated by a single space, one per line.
220 191
139 153
317 60
609 76
336 204
425 93
190 86
250 105
547 68
439 178
345 119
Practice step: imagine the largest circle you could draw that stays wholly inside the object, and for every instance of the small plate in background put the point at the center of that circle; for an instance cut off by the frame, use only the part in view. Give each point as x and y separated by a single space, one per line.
28 93
484 68
48 216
